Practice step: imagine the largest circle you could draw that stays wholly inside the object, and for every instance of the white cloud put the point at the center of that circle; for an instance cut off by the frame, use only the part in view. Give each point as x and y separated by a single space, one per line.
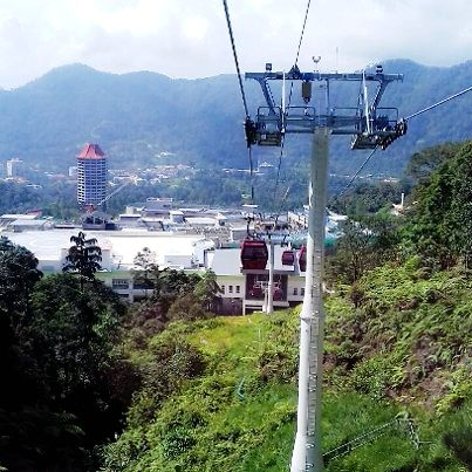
189 39
194 27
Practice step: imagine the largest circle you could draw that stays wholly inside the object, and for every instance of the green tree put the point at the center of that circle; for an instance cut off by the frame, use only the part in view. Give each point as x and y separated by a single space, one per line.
197 295
422 164
18 274
176 283
33 434
207 291
84 258
368 198
146 272
176 295
72 336
365 244
188 308
65 388
440 224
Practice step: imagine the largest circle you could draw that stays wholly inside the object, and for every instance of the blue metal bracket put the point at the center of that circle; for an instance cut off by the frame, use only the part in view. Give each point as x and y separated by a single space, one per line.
370 125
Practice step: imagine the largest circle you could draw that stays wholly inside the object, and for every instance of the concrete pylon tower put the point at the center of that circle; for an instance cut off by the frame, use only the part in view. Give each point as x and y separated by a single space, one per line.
91 176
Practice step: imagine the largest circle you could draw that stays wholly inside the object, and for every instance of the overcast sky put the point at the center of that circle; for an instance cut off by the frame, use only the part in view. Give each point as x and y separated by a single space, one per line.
189 38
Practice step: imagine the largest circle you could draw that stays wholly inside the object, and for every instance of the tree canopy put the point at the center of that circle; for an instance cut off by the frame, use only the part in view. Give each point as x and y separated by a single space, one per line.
59 364
440 220
83 257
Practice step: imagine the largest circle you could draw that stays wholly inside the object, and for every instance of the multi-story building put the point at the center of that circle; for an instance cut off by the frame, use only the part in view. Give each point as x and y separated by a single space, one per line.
14 167
91 176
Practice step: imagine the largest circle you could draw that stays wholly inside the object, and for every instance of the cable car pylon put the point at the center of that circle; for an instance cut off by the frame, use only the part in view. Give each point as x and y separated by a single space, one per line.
307 453
371 127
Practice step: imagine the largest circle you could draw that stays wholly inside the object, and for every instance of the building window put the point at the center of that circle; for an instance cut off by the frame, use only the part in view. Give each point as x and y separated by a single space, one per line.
230 289
302 291
238 289
143 285
295 291
223 288
120 284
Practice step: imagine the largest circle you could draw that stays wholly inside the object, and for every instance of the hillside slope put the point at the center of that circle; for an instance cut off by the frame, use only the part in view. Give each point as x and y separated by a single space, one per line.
221 394
138 116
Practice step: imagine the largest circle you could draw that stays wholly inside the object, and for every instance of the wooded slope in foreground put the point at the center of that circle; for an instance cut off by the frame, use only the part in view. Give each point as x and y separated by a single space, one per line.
221 394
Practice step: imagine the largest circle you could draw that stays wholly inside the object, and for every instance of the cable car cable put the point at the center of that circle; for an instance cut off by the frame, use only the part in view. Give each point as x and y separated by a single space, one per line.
413 115
303 32
369 157
279 166
235 55
434 105
251 170
243 94
297 56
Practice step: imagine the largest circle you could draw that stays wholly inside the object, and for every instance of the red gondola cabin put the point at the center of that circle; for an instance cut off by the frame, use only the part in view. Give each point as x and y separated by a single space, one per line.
254 254
288 258
302 259
278 294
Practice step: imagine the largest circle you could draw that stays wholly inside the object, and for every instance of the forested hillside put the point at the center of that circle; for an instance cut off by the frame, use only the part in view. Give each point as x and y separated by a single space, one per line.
164 385
397 356
136 117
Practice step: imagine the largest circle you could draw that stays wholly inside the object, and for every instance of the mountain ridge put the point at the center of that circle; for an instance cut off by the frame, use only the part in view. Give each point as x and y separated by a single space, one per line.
137 115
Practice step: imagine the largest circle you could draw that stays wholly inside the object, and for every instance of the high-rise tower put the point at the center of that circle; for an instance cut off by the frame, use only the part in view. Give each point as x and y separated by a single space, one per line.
14 167
91 176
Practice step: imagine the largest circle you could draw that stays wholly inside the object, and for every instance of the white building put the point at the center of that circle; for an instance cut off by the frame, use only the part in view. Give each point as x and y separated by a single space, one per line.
244 291
119 249
14 167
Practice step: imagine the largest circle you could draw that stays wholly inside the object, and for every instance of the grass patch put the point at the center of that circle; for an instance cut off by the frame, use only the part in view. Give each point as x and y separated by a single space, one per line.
401 348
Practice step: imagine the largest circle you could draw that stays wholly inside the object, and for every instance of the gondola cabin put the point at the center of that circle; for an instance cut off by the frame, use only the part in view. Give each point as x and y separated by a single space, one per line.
302 259
254 254
288 258
278 294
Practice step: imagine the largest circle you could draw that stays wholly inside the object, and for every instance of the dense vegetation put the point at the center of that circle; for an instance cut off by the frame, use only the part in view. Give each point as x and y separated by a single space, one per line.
231 406
164 386
217 188
67 378
396 358
58 362
53 198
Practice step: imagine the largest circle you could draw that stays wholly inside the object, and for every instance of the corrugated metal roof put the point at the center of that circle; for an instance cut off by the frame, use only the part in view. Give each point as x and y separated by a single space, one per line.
18 216
30 223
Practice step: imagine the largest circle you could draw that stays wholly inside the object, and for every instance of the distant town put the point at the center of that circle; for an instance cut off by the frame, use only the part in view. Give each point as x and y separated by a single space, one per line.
192 238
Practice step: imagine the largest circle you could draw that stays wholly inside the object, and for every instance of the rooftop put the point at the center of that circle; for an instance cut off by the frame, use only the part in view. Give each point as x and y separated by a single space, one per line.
123 245
91 151
19 216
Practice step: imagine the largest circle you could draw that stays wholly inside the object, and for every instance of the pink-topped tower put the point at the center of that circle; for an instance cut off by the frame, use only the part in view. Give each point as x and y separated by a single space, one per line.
91 176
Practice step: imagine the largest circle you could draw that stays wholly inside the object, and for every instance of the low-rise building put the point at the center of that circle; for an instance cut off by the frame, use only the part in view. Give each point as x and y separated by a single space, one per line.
244 291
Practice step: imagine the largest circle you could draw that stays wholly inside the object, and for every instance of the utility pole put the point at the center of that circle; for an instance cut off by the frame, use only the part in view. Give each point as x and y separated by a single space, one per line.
371 127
